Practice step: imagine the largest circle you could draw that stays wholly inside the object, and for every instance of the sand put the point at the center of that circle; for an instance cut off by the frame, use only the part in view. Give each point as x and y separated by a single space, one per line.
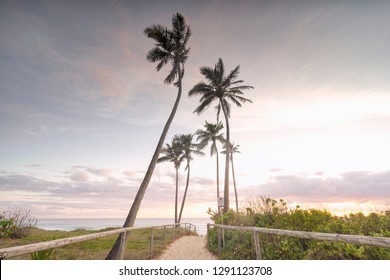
187 248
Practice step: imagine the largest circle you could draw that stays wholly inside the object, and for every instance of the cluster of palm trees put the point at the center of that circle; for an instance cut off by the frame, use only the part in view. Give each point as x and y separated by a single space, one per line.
171 47
182 148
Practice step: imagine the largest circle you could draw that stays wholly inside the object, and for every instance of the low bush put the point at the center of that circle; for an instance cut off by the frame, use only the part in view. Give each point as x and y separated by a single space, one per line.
271 213
16 223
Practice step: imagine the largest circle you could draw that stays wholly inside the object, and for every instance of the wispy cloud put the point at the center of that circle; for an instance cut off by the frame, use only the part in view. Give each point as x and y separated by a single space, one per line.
351 186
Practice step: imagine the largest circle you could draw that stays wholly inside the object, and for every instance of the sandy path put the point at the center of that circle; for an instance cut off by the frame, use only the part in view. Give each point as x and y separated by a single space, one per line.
187 248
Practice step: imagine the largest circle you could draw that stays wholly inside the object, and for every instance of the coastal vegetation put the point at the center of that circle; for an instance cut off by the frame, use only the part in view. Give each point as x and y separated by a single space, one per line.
16 223
137 246
271 213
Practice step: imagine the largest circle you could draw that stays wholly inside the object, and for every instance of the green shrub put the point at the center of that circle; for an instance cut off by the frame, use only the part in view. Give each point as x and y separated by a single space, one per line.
7 227
272 213
42 255
16 223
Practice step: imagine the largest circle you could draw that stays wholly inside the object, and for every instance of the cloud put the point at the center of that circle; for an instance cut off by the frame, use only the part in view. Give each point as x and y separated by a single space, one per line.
356 186
34 165
95 171
79 176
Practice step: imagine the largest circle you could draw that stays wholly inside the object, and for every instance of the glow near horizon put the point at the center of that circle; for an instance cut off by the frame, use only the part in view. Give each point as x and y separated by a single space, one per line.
316 134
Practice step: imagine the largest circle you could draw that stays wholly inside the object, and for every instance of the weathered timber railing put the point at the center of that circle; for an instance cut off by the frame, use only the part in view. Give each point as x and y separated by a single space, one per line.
6 253
352 239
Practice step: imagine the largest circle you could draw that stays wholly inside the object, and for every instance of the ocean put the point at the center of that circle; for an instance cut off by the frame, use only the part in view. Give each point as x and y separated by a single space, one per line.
95 224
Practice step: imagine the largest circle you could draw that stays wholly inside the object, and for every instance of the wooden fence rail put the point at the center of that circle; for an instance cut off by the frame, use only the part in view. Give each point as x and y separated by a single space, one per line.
352 239
6 253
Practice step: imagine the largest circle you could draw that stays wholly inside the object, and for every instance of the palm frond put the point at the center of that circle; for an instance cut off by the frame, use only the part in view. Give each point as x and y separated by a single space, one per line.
218 109
187 36
204 105
163 159
235 101
209 74
242 99
179 26
219 71
198 153
173 73
158 55
240 88
200 88
213 149
232 76
226 106
156 32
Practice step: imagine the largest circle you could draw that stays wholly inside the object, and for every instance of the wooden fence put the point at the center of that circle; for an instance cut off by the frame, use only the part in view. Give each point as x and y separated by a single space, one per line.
6 253
352 239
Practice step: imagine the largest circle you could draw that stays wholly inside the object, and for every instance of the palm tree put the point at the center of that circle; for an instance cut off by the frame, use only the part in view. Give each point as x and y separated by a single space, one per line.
212 134
233 149
170 47
222 89
188 149
173 153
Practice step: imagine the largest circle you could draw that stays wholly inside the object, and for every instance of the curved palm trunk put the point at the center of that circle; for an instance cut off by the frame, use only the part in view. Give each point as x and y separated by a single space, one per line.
177 192
226 186
132 215
185 192
234 183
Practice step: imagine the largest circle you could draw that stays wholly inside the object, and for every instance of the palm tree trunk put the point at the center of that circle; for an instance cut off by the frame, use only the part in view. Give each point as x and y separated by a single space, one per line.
227 163
234 182
218 195
185 191
132 215
176 192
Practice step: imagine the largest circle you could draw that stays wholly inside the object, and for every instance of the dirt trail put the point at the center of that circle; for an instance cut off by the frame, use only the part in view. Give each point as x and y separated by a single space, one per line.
188 248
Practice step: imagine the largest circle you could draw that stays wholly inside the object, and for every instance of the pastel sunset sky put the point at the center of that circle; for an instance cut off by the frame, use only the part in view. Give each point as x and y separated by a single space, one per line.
81 109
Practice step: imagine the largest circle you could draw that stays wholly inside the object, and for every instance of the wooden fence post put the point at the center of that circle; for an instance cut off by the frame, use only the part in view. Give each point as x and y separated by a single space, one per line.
223 238
151 243
219 241
257 244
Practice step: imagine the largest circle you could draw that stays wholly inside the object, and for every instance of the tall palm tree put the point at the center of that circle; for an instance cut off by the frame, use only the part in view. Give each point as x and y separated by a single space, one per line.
188 148
221 88
173 153
211 134
233 149
170 47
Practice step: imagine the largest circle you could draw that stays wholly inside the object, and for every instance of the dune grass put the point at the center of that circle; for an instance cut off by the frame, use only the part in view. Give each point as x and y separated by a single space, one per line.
137 247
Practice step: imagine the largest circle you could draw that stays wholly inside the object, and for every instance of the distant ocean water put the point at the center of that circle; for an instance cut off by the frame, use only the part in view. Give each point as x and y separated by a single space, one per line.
95 224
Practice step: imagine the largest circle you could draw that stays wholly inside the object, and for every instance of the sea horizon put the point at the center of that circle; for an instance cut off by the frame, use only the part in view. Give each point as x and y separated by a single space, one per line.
70 224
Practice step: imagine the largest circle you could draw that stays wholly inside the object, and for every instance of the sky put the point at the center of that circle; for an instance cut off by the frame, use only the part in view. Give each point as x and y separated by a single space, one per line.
81 109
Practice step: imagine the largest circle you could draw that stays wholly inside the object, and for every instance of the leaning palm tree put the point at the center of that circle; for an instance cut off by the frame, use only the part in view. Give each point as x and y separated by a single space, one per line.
170 47
233 149
173 153
211 134
221 88
188 148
